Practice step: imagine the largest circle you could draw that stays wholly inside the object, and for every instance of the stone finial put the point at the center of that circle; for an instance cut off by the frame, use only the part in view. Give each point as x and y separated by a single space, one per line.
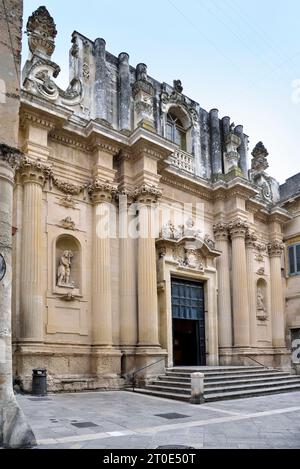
141 72
42 32
260 155
178 86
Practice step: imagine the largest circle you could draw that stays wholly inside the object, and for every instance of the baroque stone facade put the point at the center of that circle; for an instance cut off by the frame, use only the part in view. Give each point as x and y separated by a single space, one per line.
92 306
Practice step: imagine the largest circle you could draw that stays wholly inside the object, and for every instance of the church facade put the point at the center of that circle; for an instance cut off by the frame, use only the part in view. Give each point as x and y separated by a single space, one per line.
142 236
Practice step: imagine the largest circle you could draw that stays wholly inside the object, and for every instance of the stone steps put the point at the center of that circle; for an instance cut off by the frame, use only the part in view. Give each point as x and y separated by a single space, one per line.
222 383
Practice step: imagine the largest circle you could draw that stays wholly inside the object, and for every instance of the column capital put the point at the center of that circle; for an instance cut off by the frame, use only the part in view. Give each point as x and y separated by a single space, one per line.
102 191
276 249
147 194
34 171
128 193
9 155
238 228
251 240
221 231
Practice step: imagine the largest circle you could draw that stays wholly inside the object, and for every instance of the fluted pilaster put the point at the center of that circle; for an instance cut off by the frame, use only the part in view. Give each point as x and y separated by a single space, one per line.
238 230
278 324
252 290
147 272
128 274
33 176
224 297
102 195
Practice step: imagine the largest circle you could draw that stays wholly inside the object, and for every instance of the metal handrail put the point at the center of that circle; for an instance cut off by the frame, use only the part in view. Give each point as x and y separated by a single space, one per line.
142 369
260 364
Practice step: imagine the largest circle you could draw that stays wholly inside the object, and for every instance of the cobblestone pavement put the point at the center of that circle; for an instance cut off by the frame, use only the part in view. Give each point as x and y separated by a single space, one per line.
122 420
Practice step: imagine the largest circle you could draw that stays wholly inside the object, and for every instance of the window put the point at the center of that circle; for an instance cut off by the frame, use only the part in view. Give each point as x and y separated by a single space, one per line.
294 259
176 132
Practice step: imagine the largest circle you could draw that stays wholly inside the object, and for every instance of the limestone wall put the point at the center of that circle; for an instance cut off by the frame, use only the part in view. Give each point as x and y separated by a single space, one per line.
10 59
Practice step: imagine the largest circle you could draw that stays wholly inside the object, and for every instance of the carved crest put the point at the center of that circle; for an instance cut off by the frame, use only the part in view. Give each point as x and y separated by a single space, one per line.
42 32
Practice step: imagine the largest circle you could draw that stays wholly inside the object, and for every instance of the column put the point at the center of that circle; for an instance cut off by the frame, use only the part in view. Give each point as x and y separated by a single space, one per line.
238 230
224 296
251 240
125 92
33 176
14 431
243 150
128 276
147 271
278 325
100 93
216 145
102 195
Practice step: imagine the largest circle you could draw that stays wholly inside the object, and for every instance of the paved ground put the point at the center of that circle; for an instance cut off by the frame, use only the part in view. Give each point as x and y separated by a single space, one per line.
121 420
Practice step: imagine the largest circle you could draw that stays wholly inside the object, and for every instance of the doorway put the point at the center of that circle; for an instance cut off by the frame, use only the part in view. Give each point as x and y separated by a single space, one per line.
188 323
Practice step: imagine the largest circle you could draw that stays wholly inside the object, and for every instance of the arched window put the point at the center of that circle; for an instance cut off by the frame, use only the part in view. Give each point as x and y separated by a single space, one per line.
175 131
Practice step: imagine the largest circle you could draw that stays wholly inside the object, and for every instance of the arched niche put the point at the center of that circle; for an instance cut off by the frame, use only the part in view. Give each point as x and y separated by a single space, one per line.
262 300
68 264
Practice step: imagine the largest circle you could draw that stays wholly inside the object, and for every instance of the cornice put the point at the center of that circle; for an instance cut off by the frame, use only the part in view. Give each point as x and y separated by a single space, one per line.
182 182
35 119
69 141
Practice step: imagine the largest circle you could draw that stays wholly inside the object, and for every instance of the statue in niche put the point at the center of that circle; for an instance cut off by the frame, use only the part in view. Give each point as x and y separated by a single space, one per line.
64 270
261 308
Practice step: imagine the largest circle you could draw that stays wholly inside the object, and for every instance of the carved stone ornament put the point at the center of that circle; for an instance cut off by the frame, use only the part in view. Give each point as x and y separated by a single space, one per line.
102 191
67 187
210 242
261 272
178 99
64 270
42 32
178 86
68 202
251 240
232 156
11 156
34 170
188 257
238 228
68 224
258 174
221 231
275 249
147 193
40 70
261 308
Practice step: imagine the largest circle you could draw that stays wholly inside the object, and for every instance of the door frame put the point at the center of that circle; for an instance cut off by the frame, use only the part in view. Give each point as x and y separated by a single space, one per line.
198 338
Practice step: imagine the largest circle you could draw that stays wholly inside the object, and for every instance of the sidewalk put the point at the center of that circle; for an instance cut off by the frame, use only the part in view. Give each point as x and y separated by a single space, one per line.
122 420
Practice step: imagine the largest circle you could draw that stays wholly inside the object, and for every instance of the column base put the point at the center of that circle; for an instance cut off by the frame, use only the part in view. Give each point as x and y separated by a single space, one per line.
15 433
268 357
70 368
149 363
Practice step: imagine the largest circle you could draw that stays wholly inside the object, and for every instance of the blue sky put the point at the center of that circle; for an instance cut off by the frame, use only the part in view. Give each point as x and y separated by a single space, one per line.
242 57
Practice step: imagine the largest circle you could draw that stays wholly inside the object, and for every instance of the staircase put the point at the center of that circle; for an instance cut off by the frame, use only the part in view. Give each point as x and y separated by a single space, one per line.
222 383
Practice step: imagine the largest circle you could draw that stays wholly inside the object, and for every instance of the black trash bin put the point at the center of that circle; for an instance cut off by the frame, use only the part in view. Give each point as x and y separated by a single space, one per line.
39 382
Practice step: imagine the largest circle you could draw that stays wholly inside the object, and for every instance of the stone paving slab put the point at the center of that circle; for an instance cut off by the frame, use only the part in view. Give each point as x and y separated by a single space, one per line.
122 420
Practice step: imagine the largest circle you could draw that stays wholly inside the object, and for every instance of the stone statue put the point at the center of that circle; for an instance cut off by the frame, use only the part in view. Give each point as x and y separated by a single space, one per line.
260 300
64 270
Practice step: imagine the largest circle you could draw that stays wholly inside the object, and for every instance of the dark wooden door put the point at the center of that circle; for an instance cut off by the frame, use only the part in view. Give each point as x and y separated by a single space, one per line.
188 323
